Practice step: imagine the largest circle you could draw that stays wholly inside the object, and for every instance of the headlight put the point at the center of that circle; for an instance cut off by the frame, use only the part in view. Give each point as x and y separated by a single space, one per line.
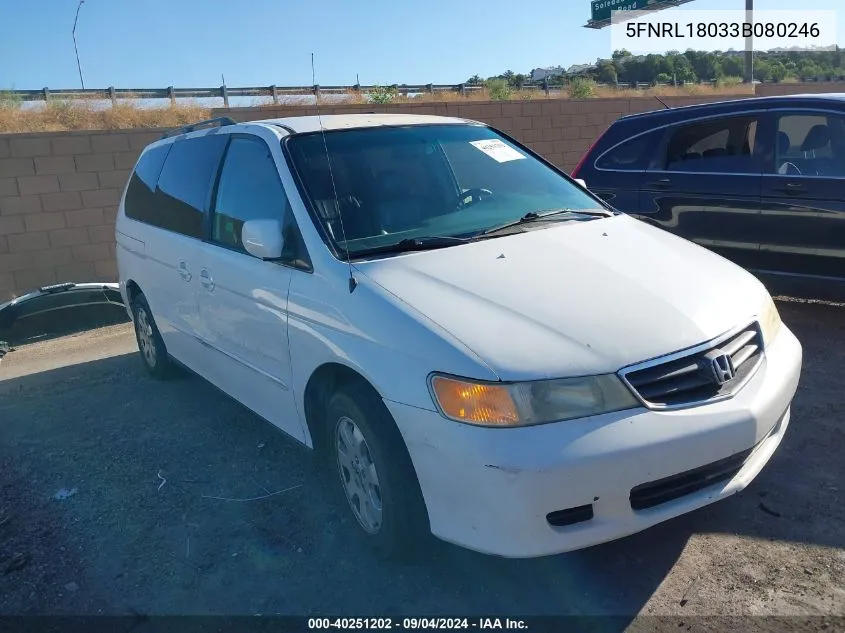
525 403
769 320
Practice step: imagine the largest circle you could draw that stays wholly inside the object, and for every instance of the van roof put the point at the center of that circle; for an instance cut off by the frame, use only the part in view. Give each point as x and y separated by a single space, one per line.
302 124
772 101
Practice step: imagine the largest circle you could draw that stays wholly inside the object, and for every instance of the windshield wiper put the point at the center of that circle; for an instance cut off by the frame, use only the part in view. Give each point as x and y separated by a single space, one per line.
542 214
425 243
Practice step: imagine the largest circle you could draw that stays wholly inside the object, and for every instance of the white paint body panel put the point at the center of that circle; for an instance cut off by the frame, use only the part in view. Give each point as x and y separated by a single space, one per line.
490 489
572 299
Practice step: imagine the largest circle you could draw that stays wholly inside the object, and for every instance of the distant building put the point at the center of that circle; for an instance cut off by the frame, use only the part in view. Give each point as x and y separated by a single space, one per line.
539 74
577 69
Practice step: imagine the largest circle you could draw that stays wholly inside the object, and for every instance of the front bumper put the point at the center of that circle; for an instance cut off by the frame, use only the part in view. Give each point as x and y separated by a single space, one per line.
491 489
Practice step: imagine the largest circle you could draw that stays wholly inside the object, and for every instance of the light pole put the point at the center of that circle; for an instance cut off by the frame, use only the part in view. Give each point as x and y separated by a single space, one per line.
78 66
749 43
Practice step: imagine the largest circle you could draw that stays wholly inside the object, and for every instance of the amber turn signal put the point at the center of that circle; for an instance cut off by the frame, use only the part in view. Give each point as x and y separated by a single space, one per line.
475 403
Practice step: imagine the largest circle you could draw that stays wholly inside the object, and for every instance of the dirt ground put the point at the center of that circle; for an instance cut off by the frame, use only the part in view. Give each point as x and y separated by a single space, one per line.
148 524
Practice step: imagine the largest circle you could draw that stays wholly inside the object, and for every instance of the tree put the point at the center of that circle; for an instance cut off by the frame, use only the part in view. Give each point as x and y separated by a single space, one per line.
382 94
607 72
732 65
498 89
703 64
582 88
475 80
762 70
683 70
692 66
778 71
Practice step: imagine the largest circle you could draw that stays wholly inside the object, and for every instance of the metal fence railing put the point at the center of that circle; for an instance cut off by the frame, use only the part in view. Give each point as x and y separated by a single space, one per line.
276 94
282 94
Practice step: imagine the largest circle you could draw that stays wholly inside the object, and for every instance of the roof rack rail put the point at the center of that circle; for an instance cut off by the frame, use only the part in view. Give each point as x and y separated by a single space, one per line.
286 128
218 122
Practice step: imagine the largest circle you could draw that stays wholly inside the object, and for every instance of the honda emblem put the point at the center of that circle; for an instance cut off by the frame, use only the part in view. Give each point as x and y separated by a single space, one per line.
721 367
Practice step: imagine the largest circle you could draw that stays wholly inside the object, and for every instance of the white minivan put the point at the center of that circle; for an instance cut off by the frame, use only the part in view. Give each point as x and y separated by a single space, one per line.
481 348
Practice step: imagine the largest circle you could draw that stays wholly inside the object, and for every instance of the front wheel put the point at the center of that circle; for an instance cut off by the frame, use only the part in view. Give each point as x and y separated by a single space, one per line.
375 473
150 343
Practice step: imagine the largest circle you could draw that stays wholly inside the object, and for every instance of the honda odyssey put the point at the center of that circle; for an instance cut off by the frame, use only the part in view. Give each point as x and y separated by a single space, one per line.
480 347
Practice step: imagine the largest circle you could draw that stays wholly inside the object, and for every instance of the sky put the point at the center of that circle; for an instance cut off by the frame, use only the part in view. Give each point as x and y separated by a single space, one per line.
193 43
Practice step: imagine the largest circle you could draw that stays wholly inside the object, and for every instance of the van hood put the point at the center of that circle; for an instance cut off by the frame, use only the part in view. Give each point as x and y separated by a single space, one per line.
575 298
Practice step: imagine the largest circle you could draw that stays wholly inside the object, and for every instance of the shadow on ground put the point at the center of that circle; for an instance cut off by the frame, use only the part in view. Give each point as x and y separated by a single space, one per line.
140 534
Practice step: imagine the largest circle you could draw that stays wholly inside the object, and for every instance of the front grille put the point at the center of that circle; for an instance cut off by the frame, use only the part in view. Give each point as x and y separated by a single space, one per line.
654 493
709 372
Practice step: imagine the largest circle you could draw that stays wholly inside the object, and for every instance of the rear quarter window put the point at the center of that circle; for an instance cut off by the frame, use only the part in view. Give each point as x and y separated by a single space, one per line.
140 193
631 155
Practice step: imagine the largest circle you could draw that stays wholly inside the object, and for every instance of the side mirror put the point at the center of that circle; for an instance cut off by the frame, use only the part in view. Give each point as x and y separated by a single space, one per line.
263 238
581 182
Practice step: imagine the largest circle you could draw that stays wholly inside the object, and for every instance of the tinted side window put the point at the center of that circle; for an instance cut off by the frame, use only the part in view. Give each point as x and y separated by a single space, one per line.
811 145
631 155
185 184
250 189
140 194
724 145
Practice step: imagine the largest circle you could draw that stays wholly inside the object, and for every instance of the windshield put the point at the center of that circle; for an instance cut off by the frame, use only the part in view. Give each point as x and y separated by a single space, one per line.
404 183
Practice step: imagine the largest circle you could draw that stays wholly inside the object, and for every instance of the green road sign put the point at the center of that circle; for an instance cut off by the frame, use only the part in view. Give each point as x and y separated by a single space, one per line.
602 8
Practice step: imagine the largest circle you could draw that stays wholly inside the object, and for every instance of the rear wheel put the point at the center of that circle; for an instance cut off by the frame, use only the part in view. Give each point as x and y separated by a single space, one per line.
150 343
375 472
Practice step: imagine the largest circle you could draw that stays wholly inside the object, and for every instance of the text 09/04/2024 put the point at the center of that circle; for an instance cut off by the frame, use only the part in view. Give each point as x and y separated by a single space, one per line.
418 623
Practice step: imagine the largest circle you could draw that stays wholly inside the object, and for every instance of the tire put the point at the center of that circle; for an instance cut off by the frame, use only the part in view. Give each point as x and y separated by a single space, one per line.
150 344
372 468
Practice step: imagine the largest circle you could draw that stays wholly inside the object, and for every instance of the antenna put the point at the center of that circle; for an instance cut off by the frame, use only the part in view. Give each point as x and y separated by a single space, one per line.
352 282
665 105
76 50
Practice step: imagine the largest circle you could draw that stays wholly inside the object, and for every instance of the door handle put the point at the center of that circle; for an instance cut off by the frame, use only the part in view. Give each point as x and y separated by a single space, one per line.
660 183
206 280
791 187
184 273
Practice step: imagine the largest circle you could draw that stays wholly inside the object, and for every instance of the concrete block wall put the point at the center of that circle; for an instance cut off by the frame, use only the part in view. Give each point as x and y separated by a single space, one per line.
822 87
58 202
59 190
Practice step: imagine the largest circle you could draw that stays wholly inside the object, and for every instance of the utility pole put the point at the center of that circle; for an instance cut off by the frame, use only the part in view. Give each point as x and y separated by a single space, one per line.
749 43
78 66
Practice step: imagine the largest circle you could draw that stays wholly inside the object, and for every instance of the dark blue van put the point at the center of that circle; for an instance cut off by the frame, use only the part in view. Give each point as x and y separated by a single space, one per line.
760 181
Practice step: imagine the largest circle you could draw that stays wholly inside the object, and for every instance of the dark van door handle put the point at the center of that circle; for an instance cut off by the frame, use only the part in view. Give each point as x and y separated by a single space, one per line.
660 183
791 187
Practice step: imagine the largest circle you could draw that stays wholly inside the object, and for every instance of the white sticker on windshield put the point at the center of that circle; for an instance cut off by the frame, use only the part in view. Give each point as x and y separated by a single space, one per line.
497 150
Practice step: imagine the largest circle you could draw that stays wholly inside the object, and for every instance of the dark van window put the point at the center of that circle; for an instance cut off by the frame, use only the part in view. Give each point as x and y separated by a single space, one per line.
631 155
140 193
811 145
185 184
725 145
250 189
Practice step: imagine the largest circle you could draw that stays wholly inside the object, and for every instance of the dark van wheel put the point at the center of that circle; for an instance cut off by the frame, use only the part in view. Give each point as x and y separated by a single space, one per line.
150 343
375 473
